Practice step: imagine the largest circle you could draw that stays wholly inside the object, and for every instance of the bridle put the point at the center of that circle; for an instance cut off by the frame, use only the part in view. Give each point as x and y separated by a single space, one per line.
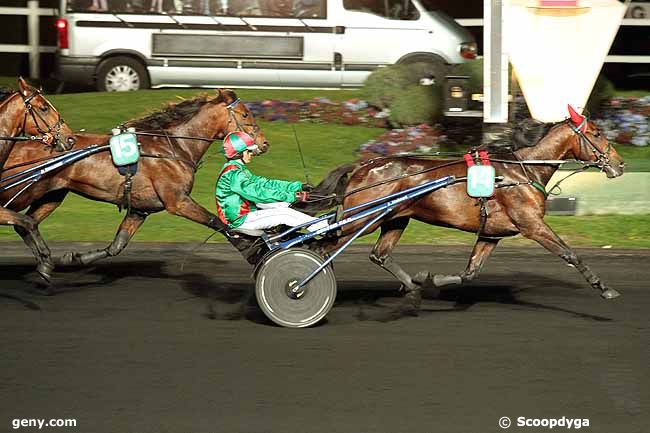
239 126
602 159
52 134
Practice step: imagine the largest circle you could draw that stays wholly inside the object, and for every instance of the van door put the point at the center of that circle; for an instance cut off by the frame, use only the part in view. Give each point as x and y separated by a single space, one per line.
377 33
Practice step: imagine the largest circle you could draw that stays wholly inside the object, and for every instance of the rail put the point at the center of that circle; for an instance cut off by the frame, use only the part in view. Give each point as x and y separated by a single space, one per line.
33 47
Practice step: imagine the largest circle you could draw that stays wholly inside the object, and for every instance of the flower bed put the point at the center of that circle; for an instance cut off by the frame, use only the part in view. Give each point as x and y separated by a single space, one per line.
625 121
321 110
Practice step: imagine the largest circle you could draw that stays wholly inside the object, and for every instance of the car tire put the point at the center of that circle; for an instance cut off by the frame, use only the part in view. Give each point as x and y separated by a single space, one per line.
434 68
121 74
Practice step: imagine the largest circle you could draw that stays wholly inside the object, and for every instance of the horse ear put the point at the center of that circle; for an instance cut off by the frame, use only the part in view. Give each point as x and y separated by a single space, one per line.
228 96
23 86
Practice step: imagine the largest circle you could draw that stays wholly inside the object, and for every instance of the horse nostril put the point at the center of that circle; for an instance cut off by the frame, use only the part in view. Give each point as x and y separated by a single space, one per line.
71 141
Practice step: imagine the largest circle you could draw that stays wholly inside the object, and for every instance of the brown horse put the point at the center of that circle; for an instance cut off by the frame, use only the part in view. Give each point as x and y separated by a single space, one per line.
517 206
28 112
181 135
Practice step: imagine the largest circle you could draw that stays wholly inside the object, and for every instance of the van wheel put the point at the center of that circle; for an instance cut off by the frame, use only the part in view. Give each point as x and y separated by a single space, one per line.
429 68
121 74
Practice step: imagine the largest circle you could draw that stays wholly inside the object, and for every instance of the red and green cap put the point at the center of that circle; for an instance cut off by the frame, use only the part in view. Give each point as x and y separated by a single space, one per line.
237 142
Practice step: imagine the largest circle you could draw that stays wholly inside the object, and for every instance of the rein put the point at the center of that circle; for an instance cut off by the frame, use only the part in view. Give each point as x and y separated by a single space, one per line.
192 164
402 176
155 134
602 162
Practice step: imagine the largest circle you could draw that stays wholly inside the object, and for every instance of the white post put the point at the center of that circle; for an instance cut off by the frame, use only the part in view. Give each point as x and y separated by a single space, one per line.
33 35
495 64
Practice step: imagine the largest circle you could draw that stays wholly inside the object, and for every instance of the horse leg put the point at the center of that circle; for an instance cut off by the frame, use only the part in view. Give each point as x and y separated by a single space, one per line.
185 206
39 211
129 226
546 237
482 250
391 231
38 246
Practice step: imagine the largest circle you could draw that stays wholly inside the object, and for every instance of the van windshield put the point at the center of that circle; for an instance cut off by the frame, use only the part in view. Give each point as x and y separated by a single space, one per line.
240 8
391 9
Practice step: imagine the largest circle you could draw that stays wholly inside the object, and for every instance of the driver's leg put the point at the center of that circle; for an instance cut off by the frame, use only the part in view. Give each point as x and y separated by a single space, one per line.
267 218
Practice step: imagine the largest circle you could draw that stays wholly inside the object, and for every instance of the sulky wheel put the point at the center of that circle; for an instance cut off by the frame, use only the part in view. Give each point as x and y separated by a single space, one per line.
282 270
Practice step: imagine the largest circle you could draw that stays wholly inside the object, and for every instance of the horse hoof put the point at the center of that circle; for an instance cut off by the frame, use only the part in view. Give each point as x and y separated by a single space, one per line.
421 278
69 259
445 280
413 301
47 289
609 294
45 271
425 281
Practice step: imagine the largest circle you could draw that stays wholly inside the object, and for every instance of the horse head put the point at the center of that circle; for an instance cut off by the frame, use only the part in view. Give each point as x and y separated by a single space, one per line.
591 145
40 118
237 118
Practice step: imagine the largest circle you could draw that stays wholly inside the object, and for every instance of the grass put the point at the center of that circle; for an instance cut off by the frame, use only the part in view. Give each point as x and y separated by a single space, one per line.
636 158
324 147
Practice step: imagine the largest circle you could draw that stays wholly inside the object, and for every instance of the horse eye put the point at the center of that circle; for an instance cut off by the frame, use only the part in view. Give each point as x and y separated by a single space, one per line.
245 115
43 108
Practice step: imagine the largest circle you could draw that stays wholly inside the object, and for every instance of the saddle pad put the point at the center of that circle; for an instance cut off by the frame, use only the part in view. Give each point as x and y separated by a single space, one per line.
480 181
124 149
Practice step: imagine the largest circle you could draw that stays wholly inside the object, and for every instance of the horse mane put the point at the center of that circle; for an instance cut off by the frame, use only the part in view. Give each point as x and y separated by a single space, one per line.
518 134
529 132
175 114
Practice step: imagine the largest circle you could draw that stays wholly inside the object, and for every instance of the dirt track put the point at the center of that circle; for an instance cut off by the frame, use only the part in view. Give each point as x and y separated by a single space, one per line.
129 347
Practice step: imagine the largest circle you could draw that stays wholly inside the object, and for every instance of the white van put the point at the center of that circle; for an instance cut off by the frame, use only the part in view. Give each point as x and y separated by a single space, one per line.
121 45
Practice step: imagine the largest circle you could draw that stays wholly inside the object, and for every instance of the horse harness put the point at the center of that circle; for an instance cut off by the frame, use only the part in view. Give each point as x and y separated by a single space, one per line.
602 161
48 136
129 171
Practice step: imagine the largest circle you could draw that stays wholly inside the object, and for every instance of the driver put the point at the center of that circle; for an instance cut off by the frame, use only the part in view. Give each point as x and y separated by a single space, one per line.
239 193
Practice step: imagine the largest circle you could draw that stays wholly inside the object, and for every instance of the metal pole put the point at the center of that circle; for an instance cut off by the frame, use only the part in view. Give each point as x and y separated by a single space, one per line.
495 64
33 35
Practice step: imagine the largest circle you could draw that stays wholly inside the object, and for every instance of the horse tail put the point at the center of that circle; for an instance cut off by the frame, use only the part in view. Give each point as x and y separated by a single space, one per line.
329 192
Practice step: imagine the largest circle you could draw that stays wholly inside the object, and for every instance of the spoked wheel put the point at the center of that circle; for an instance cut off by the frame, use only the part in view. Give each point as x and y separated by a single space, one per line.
279 273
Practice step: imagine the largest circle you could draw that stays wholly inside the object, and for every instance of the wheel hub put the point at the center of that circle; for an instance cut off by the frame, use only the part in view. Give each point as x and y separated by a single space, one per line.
293 291
122 78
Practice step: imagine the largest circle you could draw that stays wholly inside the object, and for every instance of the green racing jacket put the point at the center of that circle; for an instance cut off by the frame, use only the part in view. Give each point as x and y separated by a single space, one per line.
238 190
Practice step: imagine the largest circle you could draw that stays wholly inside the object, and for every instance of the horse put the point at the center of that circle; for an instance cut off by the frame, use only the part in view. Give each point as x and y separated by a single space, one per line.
27 111
517 206
172 143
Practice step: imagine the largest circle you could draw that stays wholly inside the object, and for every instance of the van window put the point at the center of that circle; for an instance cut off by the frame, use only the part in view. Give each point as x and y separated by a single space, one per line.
241 8
391 9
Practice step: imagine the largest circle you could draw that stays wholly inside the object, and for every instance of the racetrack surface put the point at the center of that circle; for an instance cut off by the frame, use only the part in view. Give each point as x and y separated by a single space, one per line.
138 344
